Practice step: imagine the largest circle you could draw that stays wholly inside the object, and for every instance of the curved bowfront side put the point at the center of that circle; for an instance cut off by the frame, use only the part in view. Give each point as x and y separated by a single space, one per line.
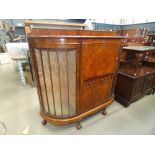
75 76
57 79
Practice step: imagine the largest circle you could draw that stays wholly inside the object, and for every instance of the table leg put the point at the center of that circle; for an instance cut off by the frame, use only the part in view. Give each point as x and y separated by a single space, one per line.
20 70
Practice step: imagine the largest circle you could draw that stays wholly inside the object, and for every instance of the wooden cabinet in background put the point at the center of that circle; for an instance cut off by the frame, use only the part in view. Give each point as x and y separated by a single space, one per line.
75 72
132 84
136 77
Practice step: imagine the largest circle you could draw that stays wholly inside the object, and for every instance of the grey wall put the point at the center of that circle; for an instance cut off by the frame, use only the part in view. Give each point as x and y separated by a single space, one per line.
151 26
102 26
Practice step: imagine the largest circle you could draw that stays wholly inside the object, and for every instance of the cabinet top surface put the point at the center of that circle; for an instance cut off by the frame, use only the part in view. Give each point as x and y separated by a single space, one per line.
140 48
137 72
73 36
57 33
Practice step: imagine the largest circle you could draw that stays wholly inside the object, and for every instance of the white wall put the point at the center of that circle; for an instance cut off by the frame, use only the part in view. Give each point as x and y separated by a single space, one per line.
124 21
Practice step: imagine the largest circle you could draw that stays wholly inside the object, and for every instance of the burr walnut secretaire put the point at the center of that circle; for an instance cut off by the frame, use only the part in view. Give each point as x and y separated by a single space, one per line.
74 72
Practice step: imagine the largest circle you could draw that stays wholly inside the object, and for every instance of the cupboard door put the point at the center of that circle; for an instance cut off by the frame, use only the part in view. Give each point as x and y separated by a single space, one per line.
101 94
138 87
95 92
86 100
148 83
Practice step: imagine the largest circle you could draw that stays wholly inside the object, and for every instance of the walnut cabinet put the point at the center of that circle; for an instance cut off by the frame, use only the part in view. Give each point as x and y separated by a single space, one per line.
75 72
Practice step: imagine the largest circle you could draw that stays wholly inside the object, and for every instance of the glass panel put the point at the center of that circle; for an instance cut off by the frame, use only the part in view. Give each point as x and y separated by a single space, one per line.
55 79
64 82
72 80
42 85
48 81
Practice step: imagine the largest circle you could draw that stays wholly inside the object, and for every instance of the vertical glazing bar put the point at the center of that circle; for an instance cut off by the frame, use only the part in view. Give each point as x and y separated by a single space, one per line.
67 81
49 62
78 71
44 79
59 82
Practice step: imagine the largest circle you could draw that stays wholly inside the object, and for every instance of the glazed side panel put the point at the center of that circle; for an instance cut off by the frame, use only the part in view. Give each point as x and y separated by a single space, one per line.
56 70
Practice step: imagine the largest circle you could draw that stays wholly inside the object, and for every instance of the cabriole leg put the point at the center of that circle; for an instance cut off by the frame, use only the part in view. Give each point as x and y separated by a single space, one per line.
78 126
104 112
44 122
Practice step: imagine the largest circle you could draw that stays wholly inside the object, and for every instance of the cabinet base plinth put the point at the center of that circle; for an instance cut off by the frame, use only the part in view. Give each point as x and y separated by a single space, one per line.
122 101
74 119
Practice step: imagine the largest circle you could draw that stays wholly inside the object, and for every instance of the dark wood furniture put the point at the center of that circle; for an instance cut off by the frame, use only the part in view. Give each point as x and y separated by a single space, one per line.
136 76
75 72
134 37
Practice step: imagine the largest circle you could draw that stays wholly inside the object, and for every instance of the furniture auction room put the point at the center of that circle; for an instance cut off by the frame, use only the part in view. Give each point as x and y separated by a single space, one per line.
77 77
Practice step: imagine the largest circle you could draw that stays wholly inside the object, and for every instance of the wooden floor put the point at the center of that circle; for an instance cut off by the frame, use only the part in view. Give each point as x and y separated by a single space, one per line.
19 109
